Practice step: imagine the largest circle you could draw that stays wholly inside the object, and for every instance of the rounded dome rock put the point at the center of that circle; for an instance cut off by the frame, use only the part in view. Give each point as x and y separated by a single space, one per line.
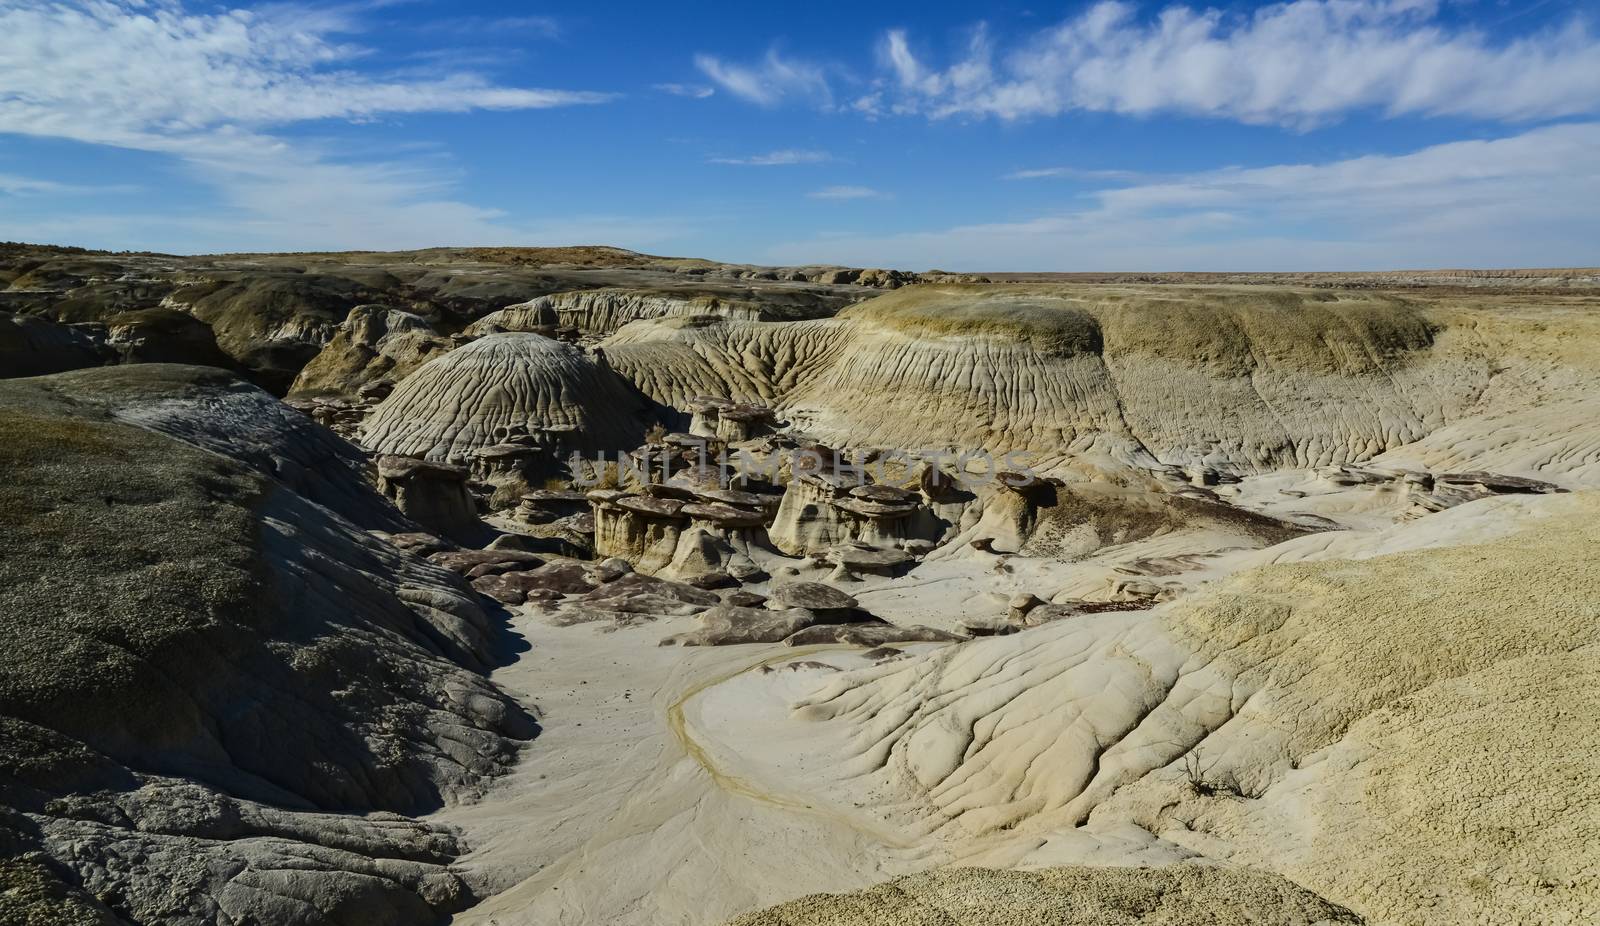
473 396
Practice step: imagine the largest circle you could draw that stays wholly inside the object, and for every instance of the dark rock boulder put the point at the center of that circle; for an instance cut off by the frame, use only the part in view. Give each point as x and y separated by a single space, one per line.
31 346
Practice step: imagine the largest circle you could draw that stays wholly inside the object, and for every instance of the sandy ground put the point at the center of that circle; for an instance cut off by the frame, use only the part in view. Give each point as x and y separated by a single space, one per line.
616 815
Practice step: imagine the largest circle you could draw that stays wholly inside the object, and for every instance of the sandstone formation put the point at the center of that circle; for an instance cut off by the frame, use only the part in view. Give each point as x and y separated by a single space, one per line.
374 344
1230 381
469 398
1246 719
603 311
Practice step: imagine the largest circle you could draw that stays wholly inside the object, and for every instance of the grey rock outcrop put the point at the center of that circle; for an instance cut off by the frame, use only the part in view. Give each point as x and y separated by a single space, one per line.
31 346
216 669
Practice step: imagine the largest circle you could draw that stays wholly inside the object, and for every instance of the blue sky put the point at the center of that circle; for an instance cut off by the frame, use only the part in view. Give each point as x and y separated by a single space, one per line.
1316 134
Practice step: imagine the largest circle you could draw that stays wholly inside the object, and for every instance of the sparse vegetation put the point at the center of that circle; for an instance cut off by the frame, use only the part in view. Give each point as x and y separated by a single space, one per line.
1205 784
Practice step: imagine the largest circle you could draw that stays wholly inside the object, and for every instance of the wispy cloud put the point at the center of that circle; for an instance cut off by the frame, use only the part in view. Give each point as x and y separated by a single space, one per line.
495 27
1296 64
692 91
772 80
1522 200
14 185
847 192
783 158
1071 173
209 88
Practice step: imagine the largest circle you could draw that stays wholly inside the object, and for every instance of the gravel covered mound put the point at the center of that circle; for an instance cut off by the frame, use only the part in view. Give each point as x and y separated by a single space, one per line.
1182 895
202 671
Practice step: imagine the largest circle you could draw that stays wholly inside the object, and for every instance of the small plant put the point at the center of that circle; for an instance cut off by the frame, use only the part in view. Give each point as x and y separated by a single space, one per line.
592 474
1204 784
656 434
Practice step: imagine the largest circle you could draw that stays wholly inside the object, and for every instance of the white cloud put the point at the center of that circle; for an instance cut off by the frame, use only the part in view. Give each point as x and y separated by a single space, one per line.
692 91
847 192
148 74
773 80
1523 200
208 88
782 158
1297 64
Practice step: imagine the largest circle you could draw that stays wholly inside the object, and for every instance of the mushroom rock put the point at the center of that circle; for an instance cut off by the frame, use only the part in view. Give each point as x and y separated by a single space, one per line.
884 494
737 531
1020 605
650 507
638 528
684 461
510 469
822 510
719 515
727 420
857 558
696 480
455 403
706 412
881 523
432 494
806 519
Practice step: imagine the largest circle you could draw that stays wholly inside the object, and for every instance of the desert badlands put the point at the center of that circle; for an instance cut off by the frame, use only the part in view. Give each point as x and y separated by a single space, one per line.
579 586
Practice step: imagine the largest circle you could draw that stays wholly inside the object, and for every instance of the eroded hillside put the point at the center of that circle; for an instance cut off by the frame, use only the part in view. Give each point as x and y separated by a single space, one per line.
1163 600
